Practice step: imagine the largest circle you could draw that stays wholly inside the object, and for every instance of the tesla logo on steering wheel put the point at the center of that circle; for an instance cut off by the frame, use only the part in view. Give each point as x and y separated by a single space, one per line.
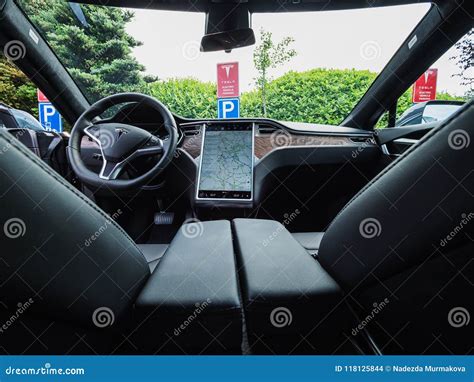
119 132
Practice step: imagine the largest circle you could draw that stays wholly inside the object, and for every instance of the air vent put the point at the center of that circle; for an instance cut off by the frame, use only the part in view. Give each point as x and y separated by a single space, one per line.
266 129
362 139
189 131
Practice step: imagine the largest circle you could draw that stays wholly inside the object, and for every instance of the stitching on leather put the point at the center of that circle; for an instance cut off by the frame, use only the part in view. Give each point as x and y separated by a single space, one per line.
403 156
29 155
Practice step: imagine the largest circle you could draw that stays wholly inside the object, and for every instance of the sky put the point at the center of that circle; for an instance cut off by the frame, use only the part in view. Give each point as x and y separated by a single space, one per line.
360 39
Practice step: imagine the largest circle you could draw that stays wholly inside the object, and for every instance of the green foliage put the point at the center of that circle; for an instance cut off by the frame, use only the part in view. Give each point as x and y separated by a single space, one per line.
16 89
318 95
464 59
99 56
187 97
268 55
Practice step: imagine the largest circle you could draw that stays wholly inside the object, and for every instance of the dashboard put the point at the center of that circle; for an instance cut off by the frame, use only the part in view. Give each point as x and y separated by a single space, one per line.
234 159
242 162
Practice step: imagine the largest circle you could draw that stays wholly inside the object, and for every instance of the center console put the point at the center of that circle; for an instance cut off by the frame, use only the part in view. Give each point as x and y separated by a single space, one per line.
224 287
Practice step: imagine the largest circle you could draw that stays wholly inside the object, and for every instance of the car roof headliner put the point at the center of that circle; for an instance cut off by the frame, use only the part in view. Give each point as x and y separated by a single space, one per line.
256 6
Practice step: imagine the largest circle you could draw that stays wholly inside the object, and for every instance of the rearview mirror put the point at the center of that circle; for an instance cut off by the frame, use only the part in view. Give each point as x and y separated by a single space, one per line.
227 28
227 41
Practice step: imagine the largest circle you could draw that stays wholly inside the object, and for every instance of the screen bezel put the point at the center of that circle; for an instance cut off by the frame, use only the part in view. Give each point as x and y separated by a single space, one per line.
242 200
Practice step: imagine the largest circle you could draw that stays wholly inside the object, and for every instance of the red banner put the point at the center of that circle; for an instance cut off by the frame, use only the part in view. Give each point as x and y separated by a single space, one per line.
228 80
424 88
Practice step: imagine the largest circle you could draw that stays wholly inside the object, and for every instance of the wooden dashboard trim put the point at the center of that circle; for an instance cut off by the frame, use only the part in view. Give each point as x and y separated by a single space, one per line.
267 142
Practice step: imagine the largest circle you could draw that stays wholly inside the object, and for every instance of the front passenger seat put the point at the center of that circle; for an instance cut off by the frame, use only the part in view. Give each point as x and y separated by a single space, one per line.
408 238
401 216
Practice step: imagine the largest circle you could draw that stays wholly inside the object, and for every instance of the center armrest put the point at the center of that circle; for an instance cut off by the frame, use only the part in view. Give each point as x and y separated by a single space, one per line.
290 301
193 294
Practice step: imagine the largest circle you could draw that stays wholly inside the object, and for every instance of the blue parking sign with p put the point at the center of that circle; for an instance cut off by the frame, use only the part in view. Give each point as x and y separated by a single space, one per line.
228 108
49 117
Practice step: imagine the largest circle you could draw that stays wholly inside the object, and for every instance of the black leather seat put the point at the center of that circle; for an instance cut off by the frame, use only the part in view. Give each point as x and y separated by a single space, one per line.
310 241
392 226
59 248
193 294
153 253
400 217
292 304
80 275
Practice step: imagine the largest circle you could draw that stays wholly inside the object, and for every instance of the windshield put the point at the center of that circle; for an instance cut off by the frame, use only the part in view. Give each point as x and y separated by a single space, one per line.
305 67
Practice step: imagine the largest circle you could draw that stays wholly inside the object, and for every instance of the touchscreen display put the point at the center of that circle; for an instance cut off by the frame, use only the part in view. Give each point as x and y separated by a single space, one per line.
226 170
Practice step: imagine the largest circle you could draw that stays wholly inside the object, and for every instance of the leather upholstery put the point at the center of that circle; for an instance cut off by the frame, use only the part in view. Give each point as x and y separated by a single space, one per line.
400 218
153 253
196 278
309 240
58 248
287 294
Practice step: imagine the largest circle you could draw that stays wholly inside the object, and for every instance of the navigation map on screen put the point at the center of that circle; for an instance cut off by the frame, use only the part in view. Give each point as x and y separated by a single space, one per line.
227 162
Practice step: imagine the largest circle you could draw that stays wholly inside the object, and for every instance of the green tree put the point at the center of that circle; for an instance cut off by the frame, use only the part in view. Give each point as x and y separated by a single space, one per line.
16 89
268 55
464 59
99 54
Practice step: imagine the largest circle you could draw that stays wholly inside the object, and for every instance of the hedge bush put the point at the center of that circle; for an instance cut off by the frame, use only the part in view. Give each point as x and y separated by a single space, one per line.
319 95
187 97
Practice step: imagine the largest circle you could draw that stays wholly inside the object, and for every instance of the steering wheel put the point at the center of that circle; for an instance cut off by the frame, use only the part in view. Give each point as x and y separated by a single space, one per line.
120 143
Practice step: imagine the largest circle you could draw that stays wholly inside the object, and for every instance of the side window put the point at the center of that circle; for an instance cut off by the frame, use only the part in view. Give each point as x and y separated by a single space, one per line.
2 124
440 91
26 121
